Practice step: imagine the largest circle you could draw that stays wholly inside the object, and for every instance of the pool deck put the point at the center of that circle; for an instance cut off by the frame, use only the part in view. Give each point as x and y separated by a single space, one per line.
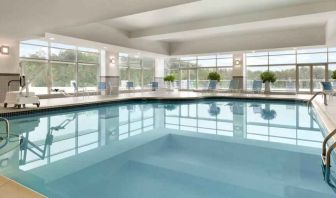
13 189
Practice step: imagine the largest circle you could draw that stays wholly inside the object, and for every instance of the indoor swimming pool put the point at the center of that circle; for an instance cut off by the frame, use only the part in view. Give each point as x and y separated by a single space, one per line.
195 148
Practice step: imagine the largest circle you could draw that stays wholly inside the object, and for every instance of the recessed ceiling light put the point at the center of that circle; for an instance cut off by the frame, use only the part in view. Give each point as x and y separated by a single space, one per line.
52 38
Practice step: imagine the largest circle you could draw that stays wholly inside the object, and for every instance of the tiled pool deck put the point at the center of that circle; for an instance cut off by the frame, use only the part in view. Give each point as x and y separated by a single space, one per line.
325 113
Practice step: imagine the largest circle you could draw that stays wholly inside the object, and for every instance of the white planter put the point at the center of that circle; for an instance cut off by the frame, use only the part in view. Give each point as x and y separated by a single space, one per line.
169 85
267 87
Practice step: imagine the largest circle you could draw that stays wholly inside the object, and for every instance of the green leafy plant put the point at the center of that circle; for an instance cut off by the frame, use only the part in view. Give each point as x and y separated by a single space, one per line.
169 78
214 76
268 77
333 75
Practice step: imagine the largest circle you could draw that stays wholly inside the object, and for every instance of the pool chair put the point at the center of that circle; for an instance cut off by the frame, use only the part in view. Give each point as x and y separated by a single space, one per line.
257 86
290 86
234 85
130 85
328 88
155 86
212 85
79 91
102 87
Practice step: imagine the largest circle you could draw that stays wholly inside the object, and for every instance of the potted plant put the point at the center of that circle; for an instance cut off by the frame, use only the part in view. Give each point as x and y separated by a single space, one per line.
267 78
214 77
169 79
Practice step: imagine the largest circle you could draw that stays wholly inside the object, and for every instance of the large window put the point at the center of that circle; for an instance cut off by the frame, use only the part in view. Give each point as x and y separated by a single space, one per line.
49 65
191 72
139 70
295 69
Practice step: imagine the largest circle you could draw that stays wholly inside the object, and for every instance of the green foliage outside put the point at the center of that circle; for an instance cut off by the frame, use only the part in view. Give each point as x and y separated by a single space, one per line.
169 78
60 74
268 77
333 75
214 76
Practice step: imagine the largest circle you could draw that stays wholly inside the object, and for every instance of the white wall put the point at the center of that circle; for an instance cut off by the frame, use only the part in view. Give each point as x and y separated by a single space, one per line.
253 41
10 63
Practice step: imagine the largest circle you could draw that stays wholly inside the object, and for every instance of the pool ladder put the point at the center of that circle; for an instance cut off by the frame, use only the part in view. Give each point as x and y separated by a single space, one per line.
7 132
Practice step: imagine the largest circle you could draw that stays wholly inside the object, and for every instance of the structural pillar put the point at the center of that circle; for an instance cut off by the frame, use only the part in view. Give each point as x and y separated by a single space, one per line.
110 72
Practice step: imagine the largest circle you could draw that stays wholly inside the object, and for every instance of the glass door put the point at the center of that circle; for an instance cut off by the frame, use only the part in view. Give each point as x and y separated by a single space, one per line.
184 79
310 77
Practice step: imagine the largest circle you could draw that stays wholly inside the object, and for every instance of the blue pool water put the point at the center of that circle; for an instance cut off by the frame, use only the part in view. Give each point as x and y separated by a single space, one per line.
203 148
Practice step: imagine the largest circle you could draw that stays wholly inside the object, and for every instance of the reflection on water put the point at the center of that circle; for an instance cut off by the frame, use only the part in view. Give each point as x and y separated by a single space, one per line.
49 138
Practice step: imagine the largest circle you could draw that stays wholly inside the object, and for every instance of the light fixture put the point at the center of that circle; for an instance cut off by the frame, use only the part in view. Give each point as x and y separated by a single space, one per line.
51 38
237 62
4 50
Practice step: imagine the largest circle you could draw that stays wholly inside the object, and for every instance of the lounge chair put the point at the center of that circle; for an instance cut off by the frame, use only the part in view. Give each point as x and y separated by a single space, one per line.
78 90
234 85
328 88
256 86
155 86
102 87
130 85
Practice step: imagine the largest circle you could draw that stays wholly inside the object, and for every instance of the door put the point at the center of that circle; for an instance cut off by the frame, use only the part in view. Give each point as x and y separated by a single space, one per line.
310 77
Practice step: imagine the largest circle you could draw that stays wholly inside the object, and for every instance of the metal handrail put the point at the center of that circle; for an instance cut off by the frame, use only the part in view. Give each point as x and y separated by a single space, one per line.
316 94
326 154
7 125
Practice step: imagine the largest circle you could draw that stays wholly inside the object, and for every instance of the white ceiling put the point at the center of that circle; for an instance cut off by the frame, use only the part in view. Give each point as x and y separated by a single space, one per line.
25 18
157 25
201 10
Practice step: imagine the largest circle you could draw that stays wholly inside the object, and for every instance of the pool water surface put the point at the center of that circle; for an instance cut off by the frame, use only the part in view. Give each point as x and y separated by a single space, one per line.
202 148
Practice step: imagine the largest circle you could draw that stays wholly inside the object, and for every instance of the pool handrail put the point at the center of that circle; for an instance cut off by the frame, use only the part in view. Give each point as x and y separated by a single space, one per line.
316 94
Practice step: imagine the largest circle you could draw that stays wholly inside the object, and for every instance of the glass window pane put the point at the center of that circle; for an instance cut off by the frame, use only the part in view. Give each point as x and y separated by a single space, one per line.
148 77
88 57
123 77
318 76
33 51
207 63
283 59
332 57
225 62
258 60
62 74
189 63
207 57
317 50
37 75
331 69
203 82
226 76
62 55
285 52
87 76
286 78
253 73
312 58
135 77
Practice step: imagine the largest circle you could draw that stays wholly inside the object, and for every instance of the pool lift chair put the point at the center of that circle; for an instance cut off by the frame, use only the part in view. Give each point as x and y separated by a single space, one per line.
23 96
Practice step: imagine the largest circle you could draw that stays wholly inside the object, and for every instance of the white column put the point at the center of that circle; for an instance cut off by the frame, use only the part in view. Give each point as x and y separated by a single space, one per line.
159 71
238 68
110 71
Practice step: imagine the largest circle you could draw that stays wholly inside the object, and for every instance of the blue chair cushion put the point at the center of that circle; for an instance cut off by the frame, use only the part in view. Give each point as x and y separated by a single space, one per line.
327 86
102 86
